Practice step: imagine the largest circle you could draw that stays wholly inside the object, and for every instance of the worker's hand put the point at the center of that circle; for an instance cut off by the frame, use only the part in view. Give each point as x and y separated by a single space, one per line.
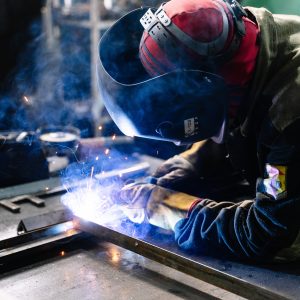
177 173
145 202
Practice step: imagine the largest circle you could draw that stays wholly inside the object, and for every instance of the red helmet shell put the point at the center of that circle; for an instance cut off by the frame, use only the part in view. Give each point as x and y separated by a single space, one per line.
203 21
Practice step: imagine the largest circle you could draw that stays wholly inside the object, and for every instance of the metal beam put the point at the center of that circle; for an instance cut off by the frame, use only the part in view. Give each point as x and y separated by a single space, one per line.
178 262
13 251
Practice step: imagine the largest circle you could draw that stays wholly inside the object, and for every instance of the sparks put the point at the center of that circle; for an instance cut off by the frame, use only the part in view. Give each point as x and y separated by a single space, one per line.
97 157
92 171
62 253
91 178
94 204
113 137
114 255
106 151
100 127
26 99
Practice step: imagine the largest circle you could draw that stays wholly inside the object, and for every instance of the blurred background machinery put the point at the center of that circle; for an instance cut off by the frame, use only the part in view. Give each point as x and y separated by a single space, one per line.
48 60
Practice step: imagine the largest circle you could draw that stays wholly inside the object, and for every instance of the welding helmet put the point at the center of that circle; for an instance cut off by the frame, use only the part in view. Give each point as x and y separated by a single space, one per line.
184 105
191 33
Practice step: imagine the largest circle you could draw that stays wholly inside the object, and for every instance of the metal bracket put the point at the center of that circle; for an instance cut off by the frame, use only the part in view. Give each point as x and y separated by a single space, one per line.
10 203
163 17
44 221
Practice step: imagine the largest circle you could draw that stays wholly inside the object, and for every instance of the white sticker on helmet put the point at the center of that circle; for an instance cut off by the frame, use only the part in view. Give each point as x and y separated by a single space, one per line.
190 126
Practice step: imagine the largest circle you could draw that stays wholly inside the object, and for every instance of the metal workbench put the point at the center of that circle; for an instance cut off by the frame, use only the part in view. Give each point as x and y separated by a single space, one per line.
86 268
83 266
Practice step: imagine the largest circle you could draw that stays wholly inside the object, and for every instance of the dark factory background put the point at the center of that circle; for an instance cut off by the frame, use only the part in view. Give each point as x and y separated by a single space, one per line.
48 66
48 55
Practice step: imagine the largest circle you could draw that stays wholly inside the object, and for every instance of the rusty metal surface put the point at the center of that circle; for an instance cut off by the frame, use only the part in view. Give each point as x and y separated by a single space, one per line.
233 279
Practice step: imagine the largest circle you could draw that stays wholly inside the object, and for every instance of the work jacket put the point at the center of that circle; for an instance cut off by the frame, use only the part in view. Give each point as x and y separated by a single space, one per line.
261 227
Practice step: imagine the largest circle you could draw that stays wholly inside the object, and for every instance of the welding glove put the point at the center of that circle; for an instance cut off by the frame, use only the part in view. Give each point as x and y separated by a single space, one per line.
146 202
174 171
203 170
177 173
184 172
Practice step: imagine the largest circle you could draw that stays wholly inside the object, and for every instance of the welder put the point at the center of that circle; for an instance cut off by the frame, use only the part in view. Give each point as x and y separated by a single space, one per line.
225 81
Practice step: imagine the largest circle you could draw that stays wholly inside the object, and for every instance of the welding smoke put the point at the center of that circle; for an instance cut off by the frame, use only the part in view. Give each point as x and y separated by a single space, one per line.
47 83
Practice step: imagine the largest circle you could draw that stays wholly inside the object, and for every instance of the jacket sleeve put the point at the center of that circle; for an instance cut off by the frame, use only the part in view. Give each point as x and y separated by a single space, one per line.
252 229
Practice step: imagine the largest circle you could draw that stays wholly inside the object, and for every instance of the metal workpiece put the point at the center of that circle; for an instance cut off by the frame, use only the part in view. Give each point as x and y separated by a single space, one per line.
34 193
25 249
103 271
40 187
43 221
62 262
11 203
178 261
54 258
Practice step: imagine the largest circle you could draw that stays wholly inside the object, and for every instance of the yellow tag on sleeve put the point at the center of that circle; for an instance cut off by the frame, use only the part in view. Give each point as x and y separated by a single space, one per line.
275 183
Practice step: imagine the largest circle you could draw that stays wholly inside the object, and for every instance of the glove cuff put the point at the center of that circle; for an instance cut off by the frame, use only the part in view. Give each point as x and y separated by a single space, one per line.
196 202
